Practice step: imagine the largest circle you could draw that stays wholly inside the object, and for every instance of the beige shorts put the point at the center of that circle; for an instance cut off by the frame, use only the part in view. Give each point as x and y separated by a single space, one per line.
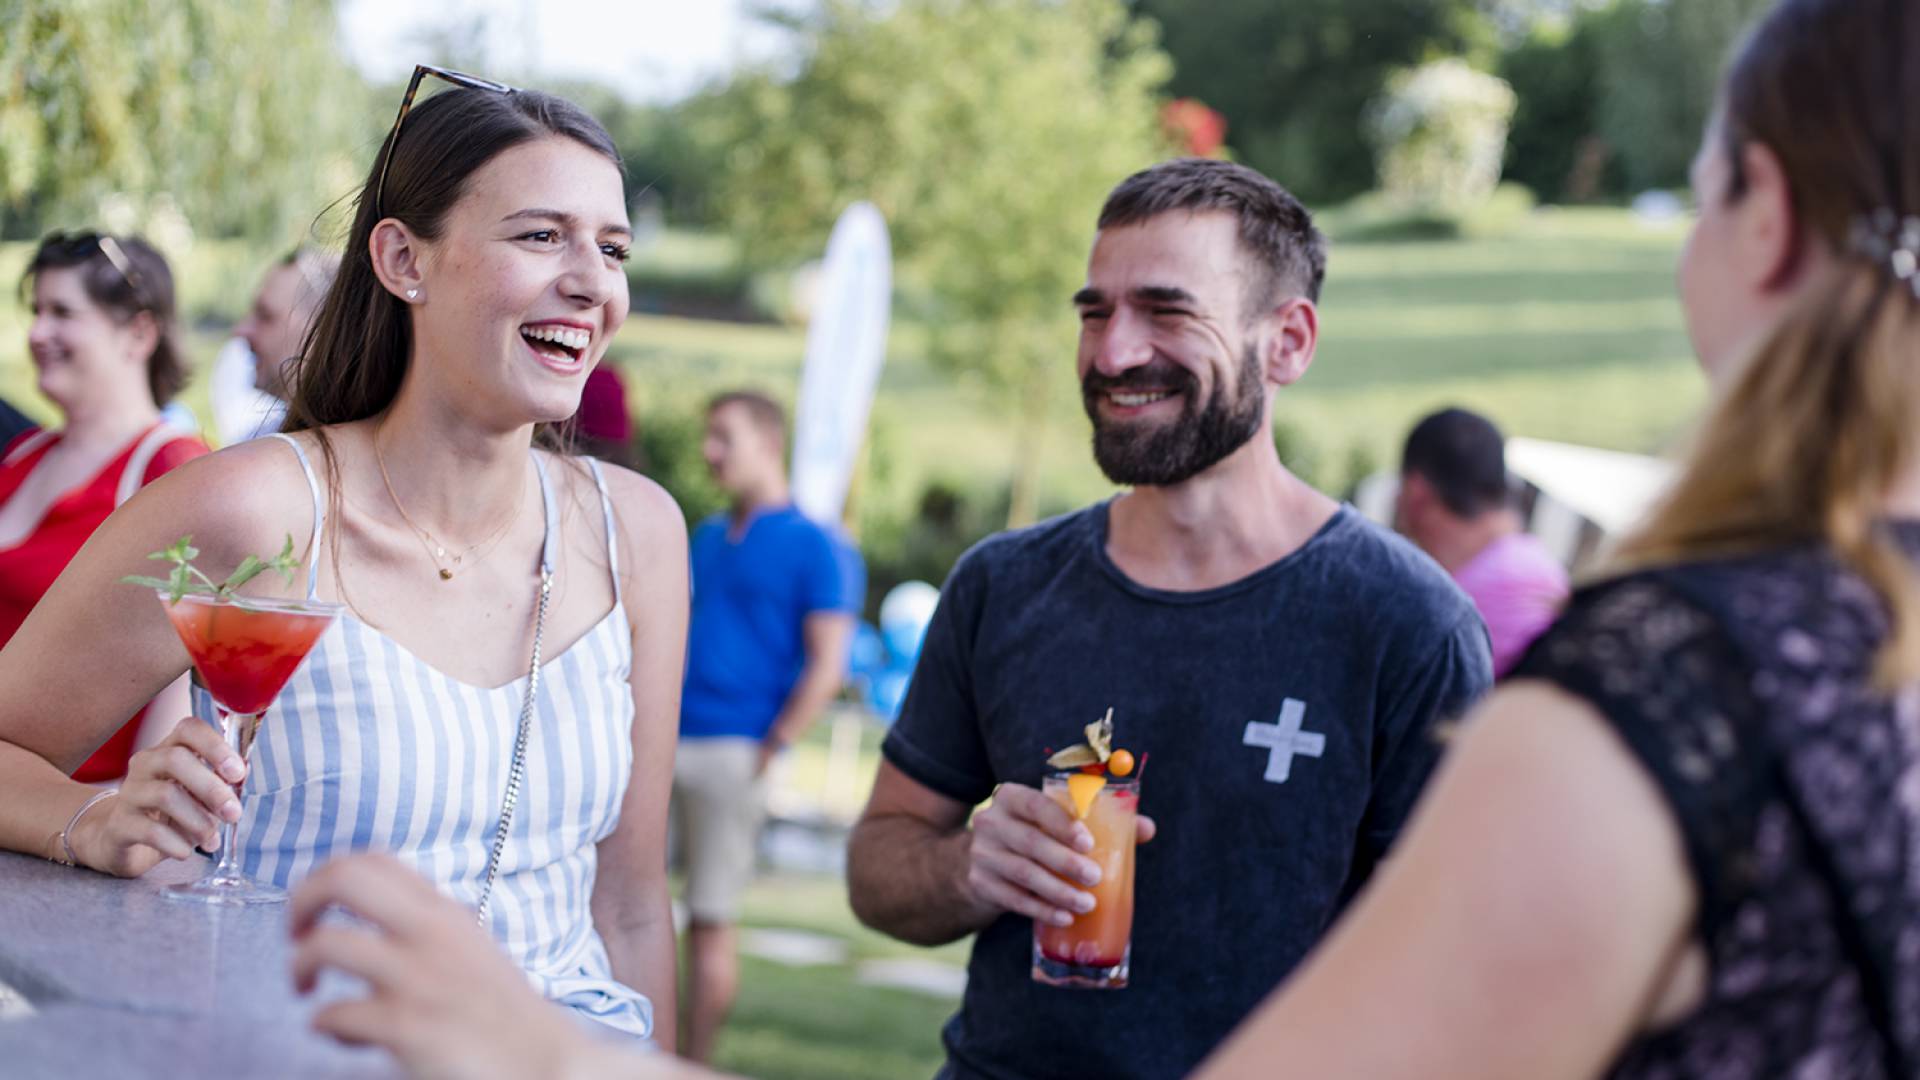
718 806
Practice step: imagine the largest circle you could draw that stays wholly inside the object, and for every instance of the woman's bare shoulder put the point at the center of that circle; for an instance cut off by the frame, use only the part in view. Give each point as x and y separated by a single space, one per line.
654 513
646 518
241 500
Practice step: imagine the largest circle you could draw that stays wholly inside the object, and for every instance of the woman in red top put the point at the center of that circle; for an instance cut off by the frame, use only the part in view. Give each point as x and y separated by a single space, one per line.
103 344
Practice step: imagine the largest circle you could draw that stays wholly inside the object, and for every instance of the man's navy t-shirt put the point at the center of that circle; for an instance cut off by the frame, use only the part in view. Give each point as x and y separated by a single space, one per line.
1291 721
746 642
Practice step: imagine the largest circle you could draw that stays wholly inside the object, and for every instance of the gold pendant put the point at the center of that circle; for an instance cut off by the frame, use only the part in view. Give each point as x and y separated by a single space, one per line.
445 574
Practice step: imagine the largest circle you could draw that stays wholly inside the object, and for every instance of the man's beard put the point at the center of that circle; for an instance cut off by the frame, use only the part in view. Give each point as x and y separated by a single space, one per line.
1140 453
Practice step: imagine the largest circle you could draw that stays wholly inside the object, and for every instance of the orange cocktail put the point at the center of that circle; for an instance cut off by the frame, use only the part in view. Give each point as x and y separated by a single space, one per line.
1095 949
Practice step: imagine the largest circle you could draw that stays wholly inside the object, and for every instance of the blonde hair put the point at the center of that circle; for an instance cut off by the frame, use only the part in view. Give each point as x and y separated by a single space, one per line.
1824 415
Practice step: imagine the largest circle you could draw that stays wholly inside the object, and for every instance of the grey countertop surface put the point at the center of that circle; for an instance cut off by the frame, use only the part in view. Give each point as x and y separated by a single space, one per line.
119 981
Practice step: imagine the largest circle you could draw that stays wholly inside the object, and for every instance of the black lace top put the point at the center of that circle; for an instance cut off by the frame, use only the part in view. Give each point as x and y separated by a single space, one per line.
1744 687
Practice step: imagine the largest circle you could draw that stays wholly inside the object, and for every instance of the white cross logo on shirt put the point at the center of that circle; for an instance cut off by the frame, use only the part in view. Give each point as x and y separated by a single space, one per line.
1285 739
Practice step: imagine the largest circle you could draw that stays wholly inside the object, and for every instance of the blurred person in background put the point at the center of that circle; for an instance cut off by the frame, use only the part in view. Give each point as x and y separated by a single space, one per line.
273 329
1455 501
105 348
1680 841
775 599
603 427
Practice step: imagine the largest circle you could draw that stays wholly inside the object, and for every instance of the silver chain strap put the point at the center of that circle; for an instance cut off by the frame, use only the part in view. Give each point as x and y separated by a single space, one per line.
519 767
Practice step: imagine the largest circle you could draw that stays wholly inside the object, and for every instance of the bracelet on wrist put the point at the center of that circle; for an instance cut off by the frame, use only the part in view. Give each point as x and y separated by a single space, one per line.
68 858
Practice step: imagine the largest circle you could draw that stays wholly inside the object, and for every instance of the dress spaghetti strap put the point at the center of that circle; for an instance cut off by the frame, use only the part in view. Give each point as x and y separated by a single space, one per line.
319 514
606 514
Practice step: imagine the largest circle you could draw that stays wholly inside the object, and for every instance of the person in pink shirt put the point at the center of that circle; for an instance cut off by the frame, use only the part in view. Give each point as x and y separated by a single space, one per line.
1455 503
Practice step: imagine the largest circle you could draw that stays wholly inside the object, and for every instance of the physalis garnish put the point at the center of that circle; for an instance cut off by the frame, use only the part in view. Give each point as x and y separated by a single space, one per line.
1095 751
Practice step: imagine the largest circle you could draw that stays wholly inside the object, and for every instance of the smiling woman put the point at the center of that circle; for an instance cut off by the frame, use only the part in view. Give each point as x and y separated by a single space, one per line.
103 348
481 284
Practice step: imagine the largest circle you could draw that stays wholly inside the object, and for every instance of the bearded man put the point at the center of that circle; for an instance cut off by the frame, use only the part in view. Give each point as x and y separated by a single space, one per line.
1285 663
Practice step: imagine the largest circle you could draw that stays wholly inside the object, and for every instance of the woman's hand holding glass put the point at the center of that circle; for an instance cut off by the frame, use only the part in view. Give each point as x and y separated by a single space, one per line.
176 795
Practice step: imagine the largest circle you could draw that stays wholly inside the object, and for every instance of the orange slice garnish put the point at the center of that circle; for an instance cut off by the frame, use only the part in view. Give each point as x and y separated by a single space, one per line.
1084 788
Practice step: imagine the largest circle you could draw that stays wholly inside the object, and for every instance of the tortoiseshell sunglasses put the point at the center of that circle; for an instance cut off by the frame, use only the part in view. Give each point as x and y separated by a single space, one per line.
421 71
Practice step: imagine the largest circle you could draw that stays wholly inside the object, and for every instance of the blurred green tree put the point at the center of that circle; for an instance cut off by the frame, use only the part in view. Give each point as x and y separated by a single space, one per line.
1555 148
988 132
1294 77
1613 95
236 117
1660 67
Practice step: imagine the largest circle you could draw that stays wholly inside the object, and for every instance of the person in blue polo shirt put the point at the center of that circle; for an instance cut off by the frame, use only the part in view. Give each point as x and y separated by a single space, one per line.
775 597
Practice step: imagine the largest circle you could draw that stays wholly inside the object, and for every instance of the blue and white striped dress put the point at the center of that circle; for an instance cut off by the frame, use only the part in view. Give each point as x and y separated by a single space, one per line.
370 748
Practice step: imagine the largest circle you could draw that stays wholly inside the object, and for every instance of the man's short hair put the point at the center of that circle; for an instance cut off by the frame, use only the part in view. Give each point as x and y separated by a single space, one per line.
765 412
1276 231
1463 456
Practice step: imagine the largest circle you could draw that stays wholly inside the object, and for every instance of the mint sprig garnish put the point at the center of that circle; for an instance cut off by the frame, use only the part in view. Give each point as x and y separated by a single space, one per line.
187 578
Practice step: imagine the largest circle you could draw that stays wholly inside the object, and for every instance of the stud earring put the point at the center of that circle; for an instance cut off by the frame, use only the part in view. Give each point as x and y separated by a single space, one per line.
413 294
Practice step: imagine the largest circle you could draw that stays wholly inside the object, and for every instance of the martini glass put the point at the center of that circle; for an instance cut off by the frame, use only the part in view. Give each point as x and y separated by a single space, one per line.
244 650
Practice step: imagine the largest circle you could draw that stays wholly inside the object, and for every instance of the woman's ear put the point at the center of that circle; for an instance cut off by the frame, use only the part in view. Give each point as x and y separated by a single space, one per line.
397 259
142 336
1768 233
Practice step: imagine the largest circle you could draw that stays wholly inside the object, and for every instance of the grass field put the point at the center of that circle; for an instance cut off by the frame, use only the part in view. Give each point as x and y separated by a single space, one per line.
820 1022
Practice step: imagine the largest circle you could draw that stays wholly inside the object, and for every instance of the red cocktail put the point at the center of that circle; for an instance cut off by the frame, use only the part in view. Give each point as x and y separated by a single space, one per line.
244 650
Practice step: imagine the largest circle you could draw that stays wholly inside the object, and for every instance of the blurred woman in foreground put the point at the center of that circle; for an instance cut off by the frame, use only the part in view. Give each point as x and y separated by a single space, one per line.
1682 842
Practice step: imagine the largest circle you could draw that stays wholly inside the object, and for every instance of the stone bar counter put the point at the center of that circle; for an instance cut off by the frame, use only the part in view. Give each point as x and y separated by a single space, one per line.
105 977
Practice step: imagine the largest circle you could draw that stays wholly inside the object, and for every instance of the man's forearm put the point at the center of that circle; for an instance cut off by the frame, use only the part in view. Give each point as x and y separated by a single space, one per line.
908 880
817 686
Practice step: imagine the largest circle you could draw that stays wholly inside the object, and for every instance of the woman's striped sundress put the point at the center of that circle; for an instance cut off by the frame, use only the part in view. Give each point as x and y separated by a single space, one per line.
369 748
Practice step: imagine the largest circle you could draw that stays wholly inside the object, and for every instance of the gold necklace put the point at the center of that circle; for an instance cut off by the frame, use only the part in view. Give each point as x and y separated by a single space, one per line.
435 550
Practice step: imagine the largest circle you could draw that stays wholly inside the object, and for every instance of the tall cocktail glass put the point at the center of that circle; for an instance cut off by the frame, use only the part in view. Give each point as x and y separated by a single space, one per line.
244 650
1095 950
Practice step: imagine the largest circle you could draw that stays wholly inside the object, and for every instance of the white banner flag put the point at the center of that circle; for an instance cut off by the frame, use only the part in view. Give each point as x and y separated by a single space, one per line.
846 343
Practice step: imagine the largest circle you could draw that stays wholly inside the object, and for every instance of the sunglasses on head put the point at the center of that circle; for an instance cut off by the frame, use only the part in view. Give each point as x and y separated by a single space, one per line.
421 71
82 245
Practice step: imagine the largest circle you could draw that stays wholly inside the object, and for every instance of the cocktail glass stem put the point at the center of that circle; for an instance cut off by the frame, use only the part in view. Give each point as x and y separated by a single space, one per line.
226 883
239 729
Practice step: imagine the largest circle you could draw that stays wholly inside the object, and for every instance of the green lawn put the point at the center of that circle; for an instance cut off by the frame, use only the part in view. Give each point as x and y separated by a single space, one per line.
820 1023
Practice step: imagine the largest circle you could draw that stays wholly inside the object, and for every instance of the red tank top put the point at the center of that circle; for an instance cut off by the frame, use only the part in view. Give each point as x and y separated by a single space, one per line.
27 569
